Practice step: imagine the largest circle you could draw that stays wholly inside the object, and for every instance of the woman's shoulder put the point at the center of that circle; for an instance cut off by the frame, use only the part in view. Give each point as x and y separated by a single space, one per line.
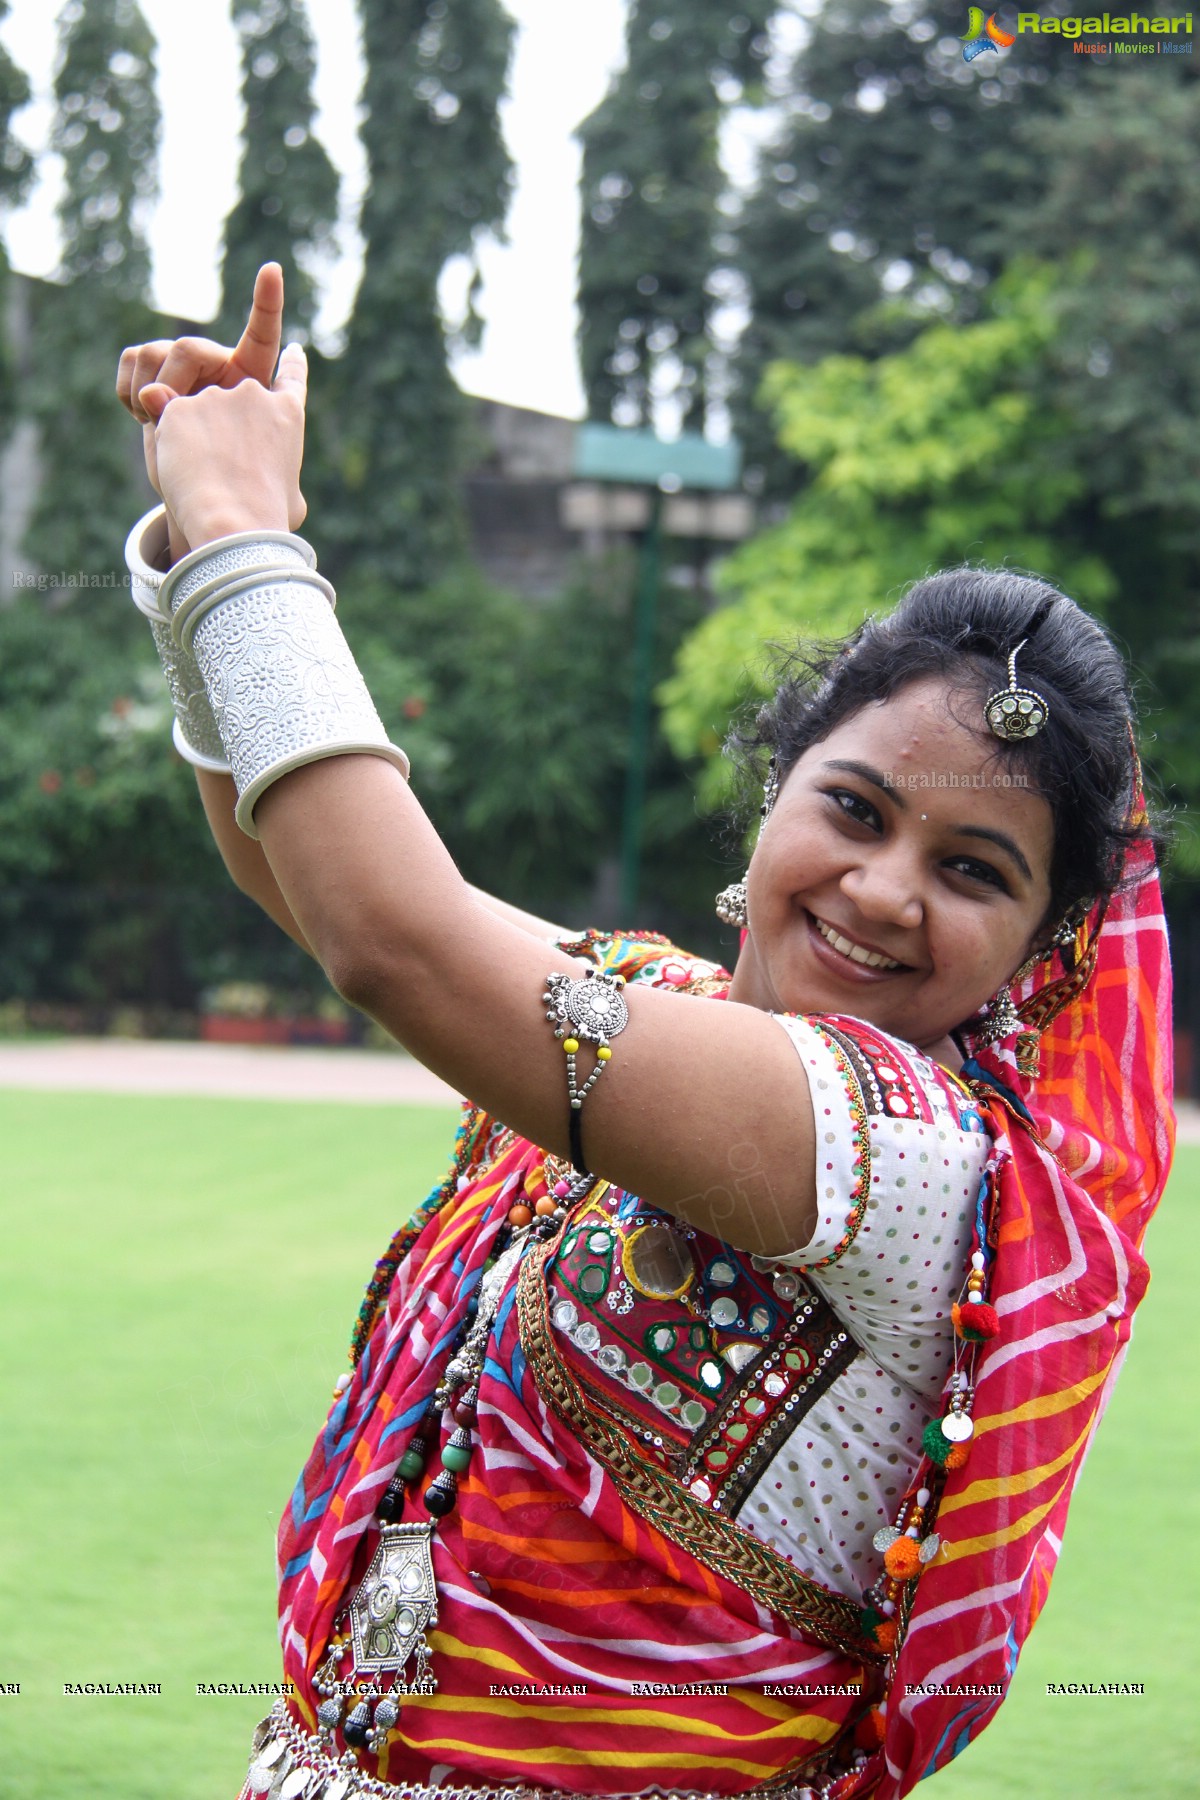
890 1077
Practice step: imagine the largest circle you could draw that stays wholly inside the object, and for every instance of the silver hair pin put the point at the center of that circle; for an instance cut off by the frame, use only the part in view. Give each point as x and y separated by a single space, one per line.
1013 713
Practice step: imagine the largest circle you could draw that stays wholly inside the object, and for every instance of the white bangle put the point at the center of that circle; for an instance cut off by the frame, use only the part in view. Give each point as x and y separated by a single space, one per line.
281 680
194 731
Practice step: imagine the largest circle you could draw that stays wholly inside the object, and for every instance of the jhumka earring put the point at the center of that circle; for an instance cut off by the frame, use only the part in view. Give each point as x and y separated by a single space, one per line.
731 901
1002 1020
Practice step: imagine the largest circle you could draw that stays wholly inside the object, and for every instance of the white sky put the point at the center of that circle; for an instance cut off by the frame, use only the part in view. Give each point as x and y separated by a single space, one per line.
565 54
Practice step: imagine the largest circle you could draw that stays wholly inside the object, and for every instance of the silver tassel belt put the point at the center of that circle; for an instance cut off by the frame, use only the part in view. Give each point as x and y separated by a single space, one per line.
288 1764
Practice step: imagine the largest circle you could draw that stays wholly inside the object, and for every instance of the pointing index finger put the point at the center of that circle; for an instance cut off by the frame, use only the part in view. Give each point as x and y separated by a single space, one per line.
258 346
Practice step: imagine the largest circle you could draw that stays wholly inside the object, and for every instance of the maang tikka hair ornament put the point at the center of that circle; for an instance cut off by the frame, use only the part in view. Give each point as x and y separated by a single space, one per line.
1014 713
731 901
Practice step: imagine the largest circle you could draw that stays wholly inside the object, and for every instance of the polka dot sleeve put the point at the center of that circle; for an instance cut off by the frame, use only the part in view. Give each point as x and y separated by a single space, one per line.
900 1155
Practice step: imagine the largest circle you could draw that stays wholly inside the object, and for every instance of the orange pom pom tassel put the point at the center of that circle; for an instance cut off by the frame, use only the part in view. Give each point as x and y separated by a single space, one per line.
869 1732
885 1634
975 1321
958 1456
902 1559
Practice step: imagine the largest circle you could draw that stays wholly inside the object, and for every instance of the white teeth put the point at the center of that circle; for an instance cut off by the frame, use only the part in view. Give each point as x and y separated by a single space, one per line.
855 952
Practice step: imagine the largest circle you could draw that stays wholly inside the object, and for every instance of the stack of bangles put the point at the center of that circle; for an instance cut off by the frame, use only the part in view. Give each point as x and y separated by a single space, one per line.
262 682
261 678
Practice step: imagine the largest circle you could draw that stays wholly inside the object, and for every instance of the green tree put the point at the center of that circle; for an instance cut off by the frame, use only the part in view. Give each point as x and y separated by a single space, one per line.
524 705
895 170
391 432
16 168
655 257
106 131
1118 210
287 186
936 455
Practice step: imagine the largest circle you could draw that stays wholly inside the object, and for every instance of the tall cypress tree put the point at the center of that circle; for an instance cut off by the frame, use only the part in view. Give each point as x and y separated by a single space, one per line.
288 188
15 169
655 257
106 131
439 177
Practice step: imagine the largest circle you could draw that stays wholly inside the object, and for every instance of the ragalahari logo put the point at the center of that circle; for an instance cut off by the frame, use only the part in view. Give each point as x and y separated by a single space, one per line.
983 34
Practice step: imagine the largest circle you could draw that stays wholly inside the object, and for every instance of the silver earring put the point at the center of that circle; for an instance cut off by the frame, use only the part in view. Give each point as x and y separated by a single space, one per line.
731 901
1002 1019
731 904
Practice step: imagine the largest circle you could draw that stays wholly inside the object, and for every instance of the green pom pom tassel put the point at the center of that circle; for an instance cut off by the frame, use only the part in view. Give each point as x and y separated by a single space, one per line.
935 1444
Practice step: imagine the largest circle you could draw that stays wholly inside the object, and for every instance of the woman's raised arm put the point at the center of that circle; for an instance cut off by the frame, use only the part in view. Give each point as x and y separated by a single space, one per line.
376 895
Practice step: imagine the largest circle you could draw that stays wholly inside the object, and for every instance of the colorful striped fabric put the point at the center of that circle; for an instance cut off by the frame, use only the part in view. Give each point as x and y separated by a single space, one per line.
1074 1197
566 1598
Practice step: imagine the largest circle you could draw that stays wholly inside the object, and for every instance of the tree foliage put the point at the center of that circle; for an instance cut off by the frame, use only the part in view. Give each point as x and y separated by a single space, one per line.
16 168
106 130
895 170
1119 208
655 253
439 177
16 164
939 454
287 187
515 713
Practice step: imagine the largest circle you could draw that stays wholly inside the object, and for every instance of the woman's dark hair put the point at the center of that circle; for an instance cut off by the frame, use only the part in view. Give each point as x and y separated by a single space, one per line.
961 626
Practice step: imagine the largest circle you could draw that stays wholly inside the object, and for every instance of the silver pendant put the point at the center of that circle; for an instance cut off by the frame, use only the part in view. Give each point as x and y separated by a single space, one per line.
272 1765
958 1427
396 1602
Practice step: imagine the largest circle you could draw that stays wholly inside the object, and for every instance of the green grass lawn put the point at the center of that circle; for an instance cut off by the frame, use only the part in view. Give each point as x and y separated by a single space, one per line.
180 1277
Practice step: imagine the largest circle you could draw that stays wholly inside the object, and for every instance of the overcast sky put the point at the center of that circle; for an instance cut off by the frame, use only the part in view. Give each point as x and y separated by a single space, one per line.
564 57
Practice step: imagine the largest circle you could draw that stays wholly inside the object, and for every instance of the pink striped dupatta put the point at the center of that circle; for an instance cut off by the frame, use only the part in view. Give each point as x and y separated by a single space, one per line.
1076 1180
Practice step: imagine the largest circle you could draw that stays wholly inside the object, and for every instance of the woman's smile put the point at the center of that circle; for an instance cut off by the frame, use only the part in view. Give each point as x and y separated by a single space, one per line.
864 961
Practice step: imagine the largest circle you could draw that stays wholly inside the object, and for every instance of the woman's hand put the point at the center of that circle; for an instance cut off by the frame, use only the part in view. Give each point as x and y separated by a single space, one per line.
228 459
189 364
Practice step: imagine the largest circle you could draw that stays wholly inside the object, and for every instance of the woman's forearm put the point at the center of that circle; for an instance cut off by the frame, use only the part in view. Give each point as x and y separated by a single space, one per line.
248 868
252 874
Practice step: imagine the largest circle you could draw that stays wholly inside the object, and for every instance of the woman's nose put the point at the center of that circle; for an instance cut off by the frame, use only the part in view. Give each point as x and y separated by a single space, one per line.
886 887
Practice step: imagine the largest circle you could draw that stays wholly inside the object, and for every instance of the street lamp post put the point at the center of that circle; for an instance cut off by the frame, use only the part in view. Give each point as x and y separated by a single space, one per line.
639 460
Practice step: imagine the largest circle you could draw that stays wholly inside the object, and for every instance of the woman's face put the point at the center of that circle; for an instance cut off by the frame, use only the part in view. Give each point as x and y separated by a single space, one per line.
893 881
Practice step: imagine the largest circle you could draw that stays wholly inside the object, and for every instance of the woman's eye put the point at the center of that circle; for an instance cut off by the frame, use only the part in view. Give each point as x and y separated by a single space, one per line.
979 871
854 806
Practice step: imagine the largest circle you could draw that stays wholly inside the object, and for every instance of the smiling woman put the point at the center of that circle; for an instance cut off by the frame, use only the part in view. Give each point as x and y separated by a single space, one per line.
677 1369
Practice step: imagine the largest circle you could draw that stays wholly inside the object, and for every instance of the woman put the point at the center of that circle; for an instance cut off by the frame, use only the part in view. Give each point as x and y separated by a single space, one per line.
634 1483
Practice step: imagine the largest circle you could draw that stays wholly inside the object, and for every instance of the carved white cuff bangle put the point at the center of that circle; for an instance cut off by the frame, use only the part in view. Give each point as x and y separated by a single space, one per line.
282 682
197 579
195 730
